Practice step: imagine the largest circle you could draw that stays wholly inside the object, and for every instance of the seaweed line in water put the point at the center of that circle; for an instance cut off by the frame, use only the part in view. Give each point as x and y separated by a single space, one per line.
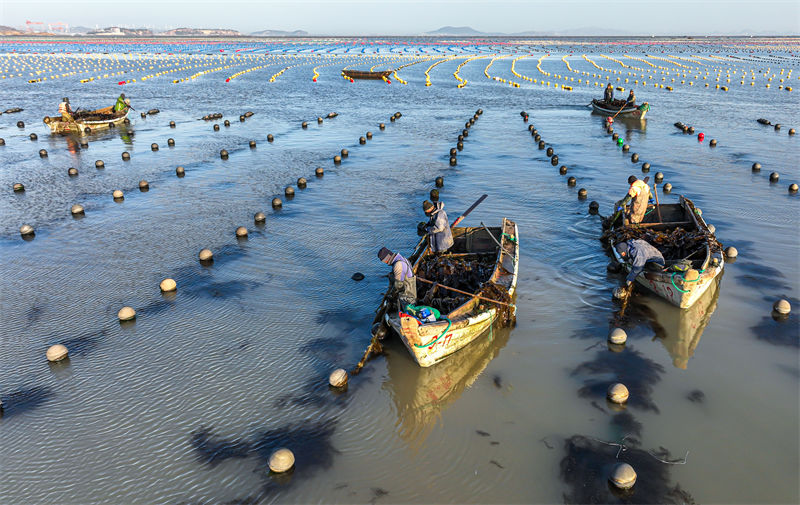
623 448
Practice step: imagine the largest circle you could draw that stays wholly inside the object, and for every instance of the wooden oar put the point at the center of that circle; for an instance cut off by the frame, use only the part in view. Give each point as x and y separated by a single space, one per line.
374 345
658 206
426 281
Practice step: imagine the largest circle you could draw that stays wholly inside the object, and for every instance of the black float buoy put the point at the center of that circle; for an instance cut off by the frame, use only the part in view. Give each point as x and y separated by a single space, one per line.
226 123
467 124
289 192
659 177
87 130
434 194
530 127
171 142
124 121
691 129
554 160
626 148
465 133
241 119
33 136
223 154
362 140
562 170
154 147
126 156
216 127
391 119
537 138
270 137
645 167
756 167
791 131
304 124
72 172
319 120
453 151
793 187
302 183
439 182
541 144
572 181
43 153
594 207
549 151
460 146
382 126
171 124
111 125
337 159
479 112
99 164
582 193
345 153
777 126
368 135
20 124
460 138
277 203
84 144
252 144
180 171
453 161
615 137
774 176
2 141
634 158
712 143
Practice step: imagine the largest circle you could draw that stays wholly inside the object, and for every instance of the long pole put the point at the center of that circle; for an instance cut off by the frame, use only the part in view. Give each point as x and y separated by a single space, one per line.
426 281
658 206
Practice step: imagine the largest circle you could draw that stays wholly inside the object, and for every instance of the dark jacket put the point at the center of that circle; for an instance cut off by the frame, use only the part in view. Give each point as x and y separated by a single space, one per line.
609 94
631 99
639 253
440 236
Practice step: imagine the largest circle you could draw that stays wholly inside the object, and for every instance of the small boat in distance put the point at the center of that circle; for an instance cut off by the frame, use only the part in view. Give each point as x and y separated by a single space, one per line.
85 122
362 74
432 342
693 256
613 108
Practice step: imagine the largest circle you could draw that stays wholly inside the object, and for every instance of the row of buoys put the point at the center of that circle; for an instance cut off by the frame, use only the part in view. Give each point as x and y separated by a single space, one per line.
572 181
773 177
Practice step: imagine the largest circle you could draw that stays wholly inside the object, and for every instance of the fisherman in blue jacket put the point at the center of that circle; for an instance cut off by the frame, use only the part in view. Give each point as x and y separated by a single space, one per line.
640 253
438 227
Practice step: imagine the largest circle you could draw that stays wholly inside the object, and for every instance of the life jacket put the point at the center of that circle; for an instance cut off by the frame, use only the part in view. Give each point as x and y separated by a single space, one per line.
63 108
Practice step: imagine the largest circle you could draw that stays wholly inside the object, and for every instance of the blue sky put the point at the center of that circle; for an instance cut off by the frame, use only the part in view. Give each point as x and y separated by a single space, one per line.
410 17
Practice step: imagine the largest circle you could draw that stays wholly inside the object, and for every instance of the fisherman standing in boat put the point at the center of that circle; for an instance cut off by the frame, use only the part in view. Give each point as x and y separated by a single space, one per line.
608 96
639 194
405 284
438 227
631 101
65 110
640 254
122 103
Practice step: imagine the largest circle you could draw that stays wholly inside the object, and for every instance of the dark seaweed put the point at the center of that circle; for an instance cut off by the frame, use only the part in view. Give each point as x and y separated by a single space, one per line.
25 399
696 396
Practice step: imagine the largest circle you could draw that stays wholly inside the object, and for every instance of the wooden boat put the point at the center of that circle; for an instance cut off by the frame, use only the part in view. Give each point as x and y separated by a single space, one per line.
706 261
430 343
361 74
93 120
613 108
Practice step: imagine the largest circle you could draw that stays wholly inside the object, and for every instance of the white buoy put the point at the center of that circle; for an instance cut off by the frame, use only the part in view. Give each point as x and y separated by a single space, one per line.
77 209
259 217
731 252
618 393
26 229
617 336
338 378
56 352
782 306
126 314
205 255
623 476
168 285
241 231
281 460
118 194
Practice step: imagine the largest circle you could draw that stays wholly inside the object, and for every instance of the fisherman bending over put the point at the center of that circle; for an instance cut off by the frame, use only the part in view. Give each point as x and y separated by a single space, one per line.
608 96
631 101
65 110
639 193
640 253
122 103
404 282
438 227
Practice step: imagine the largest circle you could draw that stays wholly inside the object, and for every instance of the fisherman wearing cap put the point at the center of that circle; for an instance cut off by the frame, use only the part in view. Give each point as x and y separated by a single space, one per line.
639 194
631 101
405 284
65 110
438 227
640 253
122 103
608 96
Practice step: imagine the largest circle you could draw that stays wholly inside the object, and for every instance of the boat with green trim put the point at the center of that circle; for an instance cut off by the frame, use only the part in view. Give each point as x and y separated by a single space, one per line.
431 342
692 254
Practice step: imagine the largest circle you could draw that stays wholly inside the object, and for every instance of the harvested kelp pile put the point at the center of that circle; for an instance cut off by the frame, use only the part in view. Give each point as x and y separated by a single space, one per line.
674 244
94 116
505 313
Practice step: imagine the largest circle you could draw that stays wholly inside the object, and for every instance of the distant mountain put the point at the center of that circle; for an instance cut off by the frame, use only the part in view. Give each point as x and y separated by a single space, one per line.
200 32
7 30
279 33
117 31
80 29
456 30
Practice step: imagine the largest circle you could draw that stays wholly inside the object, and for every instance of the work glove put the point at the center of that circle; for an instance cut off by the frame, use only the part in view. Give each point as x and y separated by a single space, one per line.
422 228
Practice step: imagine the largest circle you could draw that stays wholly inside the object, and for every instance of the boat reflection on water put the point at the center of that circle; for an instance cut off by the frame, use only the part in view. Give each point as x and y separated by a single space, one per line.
679 330
421 394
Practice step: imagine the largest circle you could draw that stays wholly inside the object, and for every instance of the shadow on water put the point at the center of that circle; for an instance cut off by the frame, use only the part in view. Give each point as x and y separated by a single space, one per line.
24 400
588 463
632 368
422 394
762 277
782 331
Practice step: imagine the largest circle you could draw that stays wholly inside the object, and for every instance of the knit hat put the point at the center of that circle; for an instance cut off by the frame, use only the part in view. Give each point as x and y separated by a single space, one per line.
427 206
384 253
632 179
622 248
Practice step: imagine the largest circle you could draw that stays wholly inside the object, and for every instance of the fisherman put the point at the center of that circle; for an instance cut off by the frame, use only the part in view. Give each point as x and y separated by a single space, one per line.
404 282
639 194
631 101
438 227
640 254
122 104
608 97
65 110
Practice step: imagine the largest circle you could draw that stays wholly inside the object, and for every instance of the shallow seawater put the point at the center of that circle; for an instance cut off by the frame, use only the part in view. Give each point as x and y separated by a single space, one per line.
186 403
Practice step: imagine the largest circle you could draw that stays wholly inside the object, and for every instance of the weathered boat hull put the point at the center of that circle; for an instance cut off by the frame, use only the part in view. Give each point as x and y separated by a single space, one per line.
58 125
671 286
608 110
466 328
362 74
